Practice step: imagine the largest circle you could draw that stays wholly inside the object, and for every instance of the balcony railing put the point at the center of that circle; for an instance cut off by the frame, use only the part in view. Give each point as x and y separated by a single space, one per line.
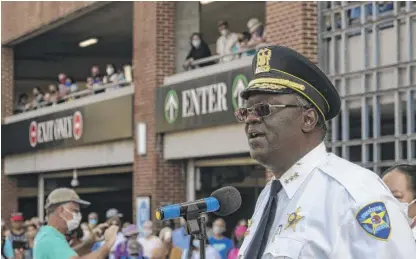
217 58
79 94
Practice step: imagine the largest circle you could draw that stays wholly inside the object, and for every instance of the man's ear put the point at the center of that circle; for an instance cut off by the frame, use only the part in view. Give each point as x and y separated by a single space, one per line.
309 120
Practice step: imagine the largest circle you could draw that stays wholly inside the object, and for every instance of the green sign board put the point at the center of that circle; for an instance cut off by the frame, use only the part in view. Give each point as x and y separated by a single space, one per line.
203 102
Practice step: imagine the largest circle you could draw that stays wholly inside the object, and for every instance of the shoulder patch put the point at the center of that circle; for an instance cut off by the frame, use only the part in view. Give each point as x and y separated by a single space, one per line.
375 221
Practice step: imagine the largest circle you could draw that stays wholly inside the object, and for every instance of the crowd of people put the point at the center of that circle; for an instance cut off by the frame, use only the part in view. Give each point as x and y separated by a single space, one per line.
228 43
169 243
65 87
172 242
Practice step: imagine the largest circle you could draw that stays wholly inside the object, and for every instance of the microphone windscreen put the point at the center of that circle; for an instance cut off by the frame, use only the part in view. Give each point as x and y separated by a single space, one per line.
229 199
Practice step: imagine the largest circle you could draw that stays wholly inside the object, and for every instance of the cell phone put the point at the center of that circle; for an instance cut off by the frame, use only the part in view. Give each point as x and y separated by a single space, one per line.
19 244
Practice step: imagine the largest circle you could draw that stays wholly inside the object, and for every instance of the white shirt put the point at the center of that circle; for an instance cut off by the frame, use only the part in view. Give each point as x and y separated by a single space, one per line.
330 196
149 245
210 253
225 45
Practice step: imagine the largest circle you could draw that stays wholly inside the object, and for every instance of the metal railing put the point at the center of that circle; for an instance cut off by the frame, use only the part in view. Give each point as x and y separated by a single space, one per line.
236 55
79 94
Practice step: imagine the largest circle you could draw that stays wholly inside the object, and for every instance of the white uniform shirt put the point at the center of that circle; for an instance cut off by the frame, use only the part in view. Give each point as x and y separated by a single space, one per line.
323 200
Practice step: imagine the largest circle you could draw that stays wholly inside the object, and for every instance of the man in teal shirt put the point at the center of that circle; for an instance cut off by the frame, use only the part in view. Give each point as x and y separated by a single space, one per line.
63 212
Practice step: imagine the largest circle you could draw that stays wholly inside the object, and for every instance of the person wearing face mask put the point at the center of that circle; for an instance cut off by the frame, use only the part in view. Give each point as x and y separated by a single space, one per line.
199 49
219 241
148 240
226 41
53 94
63 214
239 233
401 180
193 253
111 77
70 85
92 220
113 219
179 237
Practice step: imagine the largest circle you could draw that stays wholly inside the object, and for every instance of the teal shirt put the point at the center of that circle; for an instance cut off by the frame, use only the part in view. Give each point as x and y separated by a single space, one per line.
51 244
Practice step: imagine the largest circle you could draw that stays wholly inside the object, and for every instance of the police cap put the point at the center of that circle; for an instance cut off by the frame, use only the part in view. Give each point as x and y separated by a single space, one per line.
281 70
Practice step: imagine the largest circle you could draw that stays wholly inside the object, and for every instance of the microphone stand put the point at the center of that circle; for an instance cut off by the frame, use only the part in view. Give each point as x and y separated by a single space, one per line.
195 226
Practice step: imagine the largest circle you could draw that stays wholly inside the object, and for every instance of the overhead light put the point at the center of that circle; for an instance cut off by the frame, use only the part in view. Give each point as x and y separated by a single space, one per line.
205 1
88 42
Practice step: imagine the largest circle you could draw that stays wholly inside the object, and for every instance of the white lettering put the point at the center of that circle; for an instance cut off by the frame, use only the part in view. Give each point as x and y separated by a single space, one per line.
195 100
204 99
55 129
204 91
221 99
211 99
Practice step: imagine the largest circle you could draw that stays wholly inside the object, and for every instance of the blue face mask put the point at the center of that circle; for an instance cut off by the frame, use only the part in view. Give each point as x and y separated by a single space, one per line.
68 83
92 221
195 243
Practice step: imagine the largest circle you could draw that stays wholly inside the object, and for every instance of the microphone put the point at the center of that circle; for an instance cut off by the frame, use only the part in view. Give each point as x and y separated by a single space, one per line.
222 202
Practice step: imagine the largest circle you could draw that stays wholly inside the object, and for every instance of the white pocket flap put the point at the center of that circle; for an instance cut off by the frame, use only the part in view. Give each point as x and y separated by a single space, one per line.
284 246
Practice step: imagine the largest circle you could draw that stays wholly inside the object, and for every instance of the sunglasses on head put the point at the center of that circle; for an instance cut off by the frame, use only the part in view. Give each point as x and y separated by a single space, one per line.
261 110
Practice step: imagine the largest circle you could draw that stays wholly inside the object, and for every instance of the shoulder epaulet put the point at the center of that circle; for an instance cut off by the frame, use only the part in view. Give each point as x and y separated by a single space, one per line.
359 182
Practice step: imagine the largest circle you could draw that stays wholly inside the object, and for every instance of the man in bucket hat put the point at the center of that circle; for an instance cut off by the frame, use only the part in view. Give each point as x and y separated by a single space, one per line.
63 213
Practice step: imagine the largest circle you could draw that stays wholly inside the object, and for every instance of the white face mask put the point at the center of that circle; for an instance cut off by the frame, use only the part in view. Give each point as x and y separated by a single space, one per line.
110 71
195 243
74 222
147 232
218 230
196 43
224 32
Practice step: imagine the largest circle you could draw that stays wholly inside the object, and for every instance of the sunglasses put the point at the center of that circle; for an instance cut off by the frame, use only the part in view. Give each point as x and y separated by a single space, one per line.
261 110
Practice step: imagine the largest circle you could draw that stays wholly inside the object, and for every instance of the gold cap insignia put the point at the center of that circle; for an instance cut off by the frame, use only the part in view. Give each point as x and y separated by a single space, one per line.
263 60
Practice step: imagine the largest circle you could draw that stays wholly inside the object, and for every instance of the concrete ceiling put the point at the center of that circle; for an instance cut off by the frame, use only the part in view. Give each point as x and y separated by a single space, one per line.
111 24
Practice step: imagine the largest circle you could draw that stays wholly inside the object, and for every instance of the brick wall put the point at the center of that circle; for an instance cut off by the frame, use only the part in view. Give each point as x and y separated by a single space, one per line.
19 18
6 82
153 59
8 185
293 24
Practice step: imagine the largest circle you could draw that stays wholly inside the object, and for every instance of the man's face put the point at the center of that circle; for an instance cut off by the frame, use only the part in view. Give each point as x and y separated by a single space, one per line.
68 210
17 224
114 221
222 27
268 136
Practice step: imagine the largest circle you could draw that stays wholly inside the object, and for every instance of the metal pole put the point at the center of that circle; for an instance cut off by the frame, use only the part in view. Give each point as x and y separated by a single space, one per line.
190 180
41 196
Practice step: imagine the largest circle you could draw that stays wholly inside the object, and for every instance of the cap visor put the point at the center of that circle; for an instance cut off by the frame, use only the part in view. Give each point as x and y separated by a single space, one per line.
83 203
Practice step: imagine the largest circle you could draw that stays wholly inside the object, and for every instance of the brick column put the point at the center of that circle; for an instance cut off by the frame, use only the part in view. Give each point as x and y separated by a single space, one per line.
153 59
293 24
8 184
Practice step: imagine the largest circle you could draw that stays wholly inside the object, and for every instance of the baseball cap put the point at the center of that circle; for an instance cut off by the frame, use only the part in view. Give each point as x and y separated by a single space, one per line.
17 217
64 195
130 230
113 213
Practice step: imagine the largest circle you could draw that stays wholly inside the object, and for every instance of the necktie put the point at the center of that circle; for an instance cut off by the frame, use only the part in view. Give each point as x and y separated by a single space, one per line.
259 240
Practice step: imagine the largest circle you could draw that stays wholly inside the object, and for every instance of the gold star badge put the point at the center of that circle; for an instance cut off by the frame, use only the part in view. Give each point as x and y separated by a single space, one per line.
293 219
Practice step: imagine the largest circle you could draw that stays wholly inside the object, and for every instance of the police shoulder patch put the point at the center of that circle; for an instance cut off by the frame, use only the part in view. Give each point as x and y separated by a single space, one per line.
374 219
